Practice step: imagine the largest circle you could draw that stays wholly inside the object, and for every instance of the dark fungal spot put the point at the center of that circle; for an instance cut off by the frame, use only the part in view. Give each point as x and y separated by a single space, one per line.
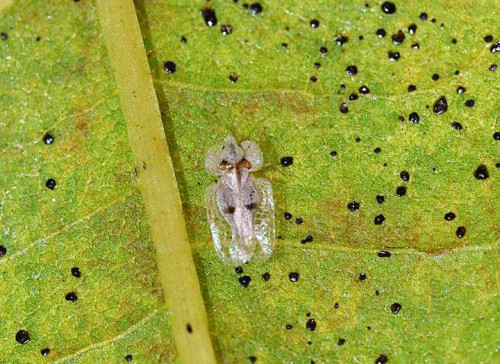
336 305
401 118
4 36
401 191
497 165
266 276
289 326
384 254
435 77
299 220
184 39
3 251
314 23
71 296
415 46
45 351
493 67
358 139
22 337
412 28
461 90
351 70
333 153
48 138
287 215
495 47
457 72
398 38
256 8
488 38
169 67
361 37
323 50
128 358
313 79
238 270
433 20
252 359
449 216
341 40
75 272
460 232
496 135
423 16
353 206
50 183
469 103
362 276
308 314
286 161
284 45
382 359
379 219
233 77
381 33
353 97
414 118
481 172
246 6
209 16
454 40
317 65
380 199
405 176
412 88
293 276
189 328
344 109
393 56
307 239
440 106
456 125
341 342
244 281
364 90
226 29
395 307
377 150
311 324
388 7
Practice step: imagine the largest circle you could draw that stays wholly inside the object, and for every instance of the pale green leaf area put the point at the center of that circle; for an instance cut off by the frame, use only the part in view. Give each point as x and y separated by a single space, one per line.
93 219
447 286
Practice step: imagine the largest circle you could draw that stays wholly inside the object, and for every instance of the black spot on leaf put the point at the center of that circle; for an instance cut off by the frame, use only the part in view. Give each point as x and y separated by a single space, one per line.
440 106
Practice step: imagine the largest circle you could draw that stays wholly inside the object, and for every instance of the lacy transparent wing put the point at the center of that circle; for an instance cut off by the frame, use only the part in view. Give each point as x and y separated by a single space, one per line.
212 160
221 231
253 154
264 218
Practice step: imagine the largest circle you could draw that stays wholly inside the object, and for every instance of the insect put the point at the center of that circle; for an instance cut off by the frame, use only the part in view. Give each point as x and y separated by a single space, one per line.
240 208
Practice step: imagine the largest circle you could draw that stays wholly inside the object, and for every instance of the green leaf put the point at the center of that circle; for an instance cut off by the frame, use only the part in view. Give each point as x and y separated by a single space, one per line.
96 218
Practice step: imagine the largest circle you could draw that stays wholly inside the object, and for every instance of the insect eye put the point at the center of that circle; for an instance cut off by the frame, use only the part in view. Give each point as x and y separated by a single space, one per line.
251 206
229 210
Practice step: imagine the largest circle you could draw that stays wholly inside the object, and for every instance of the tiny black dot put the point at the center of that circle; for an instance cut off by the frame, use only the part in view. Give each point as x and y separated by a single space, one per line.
4 36
313 79
380 199
48 139
286 161
361 37
289 327
299 220
415 45
311 324
336 305
244 281
382 359
401 118
45 351
3 250
384 254
362 276
358 139
252 359
183 39
352 70
75 272
343 108
233 77
395 308
460 231
377 150
454 40
469 103
287 215
353 97
293 276
364 90
256 8
401 191
481 172
169 67
341 40
71 296
405 176
423 16
414 118
456 125
398 38
393 56
497 164
433 20
266 276
307 239
381 33
22 337
353 206
314 23
333 153
323 50
440 106
412 88
495 47
341 342
189 328
496 135
412 28
435 77
377 293
226 29
461 90
388 7
317 65
488 38
238 270
449 216
379 219
493 67
284 45
50 183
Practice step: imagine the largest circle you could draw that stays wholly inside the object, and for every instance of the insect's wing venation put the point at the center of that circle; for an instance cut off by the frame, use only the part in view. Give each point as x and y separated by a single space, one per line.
264 217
